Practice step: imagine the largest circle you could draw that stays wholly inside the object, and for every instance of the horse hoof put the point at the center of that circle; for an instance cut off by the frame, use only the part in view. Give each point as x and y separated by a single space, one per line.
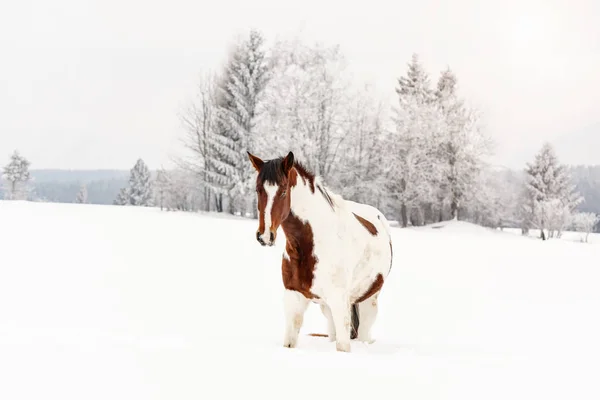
367 340
345 347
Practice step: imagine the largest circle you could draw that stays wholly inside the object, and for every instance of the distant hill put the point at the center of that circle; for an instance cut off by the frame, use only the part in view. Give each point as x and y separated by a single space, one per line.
86 176
61 186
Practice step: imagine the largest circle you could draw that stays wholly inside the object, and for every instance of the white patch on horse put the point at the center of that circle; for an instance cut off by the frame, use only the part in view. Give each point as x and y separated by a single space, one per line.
349 257
271 192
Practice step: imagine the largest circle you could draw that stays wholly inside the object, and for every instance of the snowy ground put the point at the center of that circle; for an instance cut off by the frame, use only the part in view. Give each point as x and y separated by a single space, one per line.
104 302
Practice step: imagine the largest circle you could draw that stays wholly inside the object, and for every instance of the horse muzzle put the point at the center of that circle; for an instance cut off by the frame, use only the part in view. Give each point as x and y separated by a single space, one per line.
266 239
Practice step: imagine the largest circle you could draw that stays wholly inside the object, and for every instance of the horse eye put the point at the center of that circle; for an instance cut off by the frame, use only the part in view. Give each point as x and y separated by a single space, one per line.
283 193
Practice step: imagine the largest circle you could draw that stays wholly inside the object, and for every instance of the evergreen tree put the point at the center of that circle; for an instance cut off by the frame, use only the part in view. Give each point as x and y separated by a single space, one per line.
82 195
461 145
416 84
139 191
412 163
551 197
123 198
17 175
140 185
242 83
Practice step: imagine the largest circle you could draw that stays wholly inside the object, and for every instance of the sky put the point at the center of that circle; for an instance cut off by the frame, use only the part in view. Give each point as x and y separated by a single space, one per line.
99 84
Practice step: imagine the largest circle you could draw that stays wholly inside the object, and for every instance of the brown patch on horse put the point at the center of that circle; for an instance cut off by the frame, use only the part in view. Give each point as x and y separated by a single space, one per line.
297 271
375 287
368 225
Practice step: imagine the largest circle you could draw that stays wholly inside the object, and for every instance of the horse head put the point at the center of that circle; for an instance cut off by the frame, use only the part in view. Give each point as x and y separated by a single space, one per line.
273 184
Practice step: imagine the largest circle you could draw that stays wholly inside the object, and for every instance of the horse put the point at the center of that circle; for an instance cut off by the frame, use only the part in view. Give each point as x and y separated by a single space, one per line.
337 254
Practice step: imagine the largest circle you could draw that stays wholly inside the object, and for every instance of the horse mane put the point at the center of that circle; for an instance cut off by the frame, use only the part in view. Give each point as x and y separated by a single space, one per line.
272 172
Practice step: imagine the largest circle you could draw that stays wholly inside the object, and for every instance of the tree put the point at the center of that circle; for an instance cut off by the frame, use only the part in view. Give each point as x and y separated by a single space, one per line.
122 198
462 144
306 103
162 187
139 191
240 88
140 185
413 166
82 195
551 197
200 121
16 173
361 174
585 222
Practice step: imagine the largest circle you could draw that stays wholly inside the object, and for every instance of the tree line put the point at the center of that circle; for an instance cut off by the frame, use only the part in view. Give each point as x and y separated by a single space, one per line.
421 160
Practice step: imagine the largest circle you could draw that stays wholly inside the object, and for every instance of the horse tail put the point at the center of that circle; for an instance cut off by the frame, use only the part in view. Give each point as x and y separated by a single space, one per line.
354 329
355 322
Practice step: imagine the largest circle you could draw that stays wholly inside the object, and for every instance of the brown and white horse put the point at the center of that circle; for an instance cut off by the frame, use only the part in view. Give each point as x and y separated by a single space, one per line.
338 252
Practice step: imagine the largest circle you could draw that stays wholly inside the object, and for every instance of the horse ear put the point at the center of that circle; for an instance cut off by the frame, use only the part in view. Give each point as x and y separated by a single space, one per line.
288 162
256 162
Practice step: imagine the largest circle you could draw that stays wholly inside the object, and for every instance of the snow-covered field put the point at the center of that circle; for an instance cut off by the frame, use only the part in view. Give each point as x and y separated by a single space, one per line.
104 302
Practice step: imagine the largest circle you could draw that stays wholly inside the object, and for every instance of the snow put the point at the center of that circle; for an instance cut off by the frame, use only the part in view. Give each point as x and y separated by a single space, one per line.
107 302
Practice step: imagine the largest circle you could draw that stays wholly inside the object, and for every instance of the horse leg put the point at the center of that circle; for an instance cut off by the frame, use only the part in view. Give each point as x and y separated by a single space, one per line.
340 311
367 311
294 304
330 325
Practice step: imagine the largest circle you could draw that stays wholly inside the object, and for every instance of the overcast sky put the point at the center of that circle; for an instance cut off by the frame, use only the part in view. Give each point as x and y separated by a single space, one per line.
97 84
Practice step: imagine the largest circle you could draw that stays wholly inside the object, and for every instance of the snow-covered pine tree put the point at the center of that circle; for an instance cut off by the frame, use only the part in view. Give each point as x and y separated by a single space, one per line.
82 195
140 185
16 174
551 196
123 198
413 165
140 190
243 81
462 145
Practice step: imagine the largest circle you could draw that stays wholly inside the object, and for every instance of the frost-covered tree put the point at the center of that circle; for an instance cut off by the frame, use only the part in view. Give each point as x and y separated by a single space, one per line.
585 222
362 166
140 190
492 199
551 196
140 185
413 146
239 91
122 198
82 195
306 104
16 174
205 144
462 144
162 187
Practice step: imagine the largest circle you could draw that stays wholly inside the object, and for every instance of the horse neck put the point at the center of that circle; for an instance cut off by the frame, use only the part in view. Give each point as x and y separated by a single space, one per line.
310 202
